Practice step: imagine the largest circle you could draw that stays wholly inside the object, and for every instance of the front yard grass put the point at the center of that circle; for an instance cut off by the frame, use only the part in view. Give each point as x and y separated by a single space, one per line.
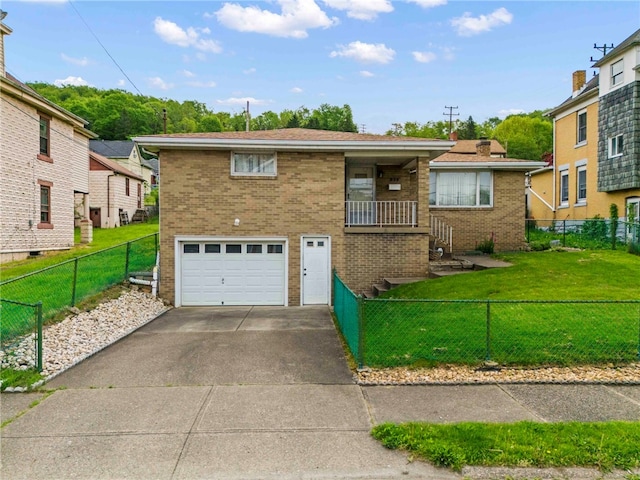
445 320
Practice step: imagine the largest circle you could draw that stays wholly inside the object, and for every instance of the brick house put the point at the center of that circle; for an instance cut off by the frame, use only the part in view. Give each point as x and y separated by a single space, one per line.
263 217
116 192
596 144
44 155
480 195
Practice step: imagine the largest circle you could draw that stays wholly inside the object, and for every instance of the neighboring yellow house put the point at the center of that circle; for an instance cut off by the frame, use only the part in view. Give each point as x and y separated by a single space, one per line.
596 158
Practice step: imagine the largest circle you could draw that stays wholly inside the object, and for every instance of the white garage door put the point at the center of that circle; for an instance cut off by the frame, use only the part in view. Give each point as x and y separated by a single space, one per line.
232 273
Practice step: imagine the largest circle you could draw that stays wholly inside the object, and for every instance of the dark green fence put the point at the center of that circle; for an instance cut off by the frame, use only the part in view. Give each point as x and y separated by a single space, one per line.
21 329
65 284
394 332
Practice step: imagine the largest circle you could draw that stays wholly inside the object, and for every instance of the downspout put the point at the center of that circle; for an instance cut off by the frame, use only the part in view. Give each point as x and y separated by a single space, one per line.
109 198
555 187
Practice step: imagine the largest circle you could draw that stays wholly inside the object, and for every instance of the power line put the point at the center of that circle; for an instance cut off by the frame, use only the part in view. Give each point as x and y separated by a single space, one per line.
451 115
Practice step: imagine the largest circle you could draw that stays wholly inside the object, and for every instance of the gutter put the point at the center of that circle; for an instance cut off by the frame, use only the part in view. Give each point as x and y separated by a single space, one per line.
314 145
524 166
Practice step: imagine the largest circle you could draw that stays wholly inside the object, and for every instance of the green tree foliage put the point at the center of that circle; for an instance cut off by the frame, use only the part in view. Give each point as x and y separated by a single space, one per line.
117 115
468 130
436 130
526 136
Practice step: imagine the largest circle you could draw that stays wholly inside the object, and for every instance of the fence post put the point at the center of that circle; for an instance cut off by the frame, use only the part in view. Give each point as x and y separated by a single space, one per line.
488 351
126 262
75 282
155 238
361 324
39 335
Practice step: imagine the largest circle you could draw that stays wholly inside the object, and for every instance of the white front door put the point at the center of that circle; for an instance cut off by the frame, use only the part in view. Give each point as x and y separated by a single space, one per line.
316 265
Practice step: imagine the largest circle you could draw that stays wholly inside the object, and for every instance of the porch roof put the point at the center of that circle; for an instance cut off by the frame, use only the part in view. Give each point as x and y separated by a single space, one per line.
476 162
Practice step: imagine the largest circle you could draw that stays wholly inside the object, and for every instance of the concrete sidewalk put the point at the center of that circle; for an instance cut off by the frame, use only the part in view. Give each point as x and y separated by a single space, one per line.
254 393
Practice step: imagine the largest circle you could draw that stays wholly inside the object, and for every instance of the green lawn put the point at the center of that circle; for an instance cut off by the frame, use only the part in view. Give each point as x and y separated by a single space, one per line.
605 446
102 238
450 320
62 280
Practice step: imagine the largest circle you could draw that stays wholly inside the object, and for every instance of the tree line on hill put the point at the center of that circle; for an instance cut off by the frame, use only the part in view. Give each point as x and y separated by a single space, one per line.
118 115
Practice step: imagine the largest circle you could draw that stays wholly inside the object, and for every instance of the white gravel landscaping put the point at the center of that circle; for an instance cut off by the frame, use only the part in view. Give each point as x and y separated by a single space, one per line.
79 336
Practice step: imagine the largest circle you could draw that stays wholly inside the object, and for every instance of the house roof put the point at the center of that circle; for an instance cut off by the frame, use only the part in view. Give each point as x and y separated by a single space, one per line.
113 165
112 148
467 161
293 139
589 89
469 147
633 39
14 87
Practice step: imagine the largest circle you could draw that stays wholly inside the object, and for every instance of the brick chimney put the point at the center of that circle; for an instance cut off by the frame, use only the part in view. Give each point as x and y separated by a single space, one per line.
483 147
4 30
579 79
453 136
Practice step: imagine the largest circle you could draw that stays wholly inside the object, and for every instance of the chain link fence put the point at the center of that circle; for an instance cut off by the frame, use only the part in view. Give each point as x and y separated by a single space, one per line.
65 284
593 233
21 329
394 332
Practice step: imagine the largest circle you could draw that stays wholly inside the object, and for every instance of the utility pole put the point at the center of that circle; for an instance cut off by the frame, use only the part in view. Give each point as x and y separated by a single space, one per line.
248 119
363 128
602 49
451 115
164 120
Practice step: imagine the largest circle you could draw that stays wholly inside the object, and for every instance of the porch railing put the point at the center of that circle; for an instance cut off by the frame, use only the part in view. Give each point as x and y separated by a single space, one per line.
381 214
441 231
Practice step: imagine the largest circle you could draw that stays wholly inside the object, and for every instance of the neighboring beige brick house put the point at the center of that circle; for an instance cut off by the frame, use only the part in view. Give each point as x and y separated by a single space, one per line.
44 160
480 193
262 217
115 190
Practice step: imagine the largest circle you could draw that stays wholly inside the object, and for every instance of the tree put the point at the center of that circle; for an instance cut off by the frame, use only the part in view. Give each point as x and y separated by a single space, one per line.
468 130
526 137
209 123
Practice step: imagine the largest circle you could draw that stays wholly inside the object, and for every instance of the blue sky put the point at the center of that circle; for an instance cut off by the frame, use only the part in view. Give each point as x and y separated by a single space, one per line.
391 61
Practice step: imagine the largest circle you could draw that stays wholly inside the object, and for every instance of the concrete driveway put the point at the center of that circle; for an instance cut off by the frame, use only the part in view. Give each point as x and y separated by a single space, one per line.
223 393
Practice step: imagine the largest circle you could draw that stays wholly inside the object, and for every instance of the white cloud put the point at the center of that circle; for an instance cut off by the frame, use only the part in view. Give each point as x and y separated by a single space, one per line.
173 34
187 73
366 73
447 53
121 83
296 90
361 9
509 111
82 62
70 80
296 18
202 84
365 52
249 71
424 57
157 82
466 25
242 101
428 3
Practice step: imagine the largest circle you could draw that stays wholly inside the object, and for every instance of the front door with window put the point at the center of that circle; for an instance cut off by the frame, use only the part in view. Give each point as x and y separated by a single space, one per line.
316 267
360 195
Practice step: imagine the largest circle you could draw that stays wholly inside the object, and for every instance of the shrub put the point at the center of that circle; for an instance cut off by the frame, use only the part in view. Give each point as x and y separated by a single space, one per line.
487 245
613 214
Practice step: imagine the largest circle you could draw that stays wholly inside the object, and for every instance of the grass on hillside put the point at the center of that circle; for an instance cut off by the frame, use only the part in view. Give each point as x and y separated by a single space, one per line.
102 238
449 320
603 445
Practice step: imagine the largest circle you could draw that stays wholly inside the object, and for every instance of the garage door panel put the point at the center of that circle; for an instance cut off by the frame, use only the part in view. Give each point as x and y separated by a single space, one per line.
221 278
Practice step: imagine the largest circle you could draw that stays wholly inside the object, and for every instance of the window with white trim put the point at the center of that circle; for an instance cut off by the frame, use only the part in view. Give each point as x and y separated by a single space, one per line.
564 187
581 134
615 145
253 164
581 196
461 189
617 70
